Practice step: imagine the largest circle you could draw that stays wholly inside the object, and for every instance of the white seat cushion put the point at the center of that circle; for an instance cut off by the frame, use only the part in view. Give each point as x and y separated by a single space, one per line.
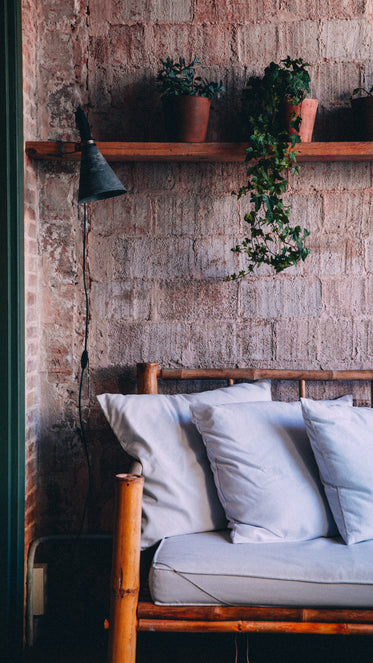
206 569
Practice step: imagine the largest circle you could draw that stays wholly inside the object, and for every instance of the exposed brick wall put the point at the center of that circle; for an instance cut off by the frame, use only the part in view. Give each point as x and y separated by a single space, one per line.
32 308
157 256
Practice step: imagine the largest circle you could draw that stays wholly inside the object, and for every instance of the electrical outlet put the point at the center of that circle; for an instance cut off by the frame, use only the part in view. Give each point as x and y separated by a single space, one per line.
39 589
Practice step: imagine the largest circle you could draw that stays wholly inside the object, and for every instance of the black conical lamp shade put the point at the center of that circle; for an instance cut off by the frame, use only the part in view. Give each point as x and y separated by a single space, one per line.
97 180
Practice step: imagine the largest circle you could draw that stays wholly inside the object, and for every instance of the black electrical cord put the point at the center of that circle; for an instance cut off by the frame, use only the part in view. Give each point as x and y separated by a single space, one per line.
83 364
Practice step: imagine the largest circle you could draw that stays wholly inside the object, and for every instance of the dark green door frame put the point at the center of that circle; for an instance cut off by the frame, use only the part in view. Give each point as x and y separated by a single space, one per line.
11 333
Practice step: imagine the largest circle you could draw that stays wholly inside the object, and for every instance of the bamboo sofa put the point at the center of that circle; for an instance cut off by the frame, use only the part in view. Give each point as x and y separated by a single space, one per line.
129 614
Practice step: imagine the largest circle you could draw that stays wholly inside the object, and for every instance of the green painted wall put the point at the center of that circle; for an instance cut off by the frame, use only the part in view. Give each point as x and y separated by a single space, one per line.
11 332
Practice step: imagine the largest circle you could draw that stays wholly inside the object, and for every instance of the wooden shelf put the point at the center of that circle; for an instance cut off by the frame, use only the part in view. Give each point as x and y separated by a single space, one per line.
212 152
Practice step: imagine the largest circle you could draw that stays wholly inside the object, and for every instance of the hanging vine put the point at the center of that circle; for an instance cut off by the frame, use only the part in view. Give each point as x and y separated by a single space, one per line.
271 239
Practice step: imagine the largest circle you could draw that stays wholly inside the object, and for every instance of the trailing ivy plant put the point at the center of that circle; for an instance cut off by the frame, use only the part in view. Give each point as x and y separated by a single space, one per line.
369 92
271 239
178 78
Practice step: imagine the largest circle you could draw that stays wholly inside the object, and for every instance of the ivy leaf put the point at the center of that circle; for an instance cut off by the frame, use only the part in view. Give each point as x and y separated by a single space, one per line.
270 154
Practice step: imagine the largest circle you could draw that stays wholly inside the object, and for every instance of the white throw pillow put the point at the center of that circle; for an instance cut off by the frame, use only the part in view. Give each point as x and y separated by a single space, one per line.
179 492
342 441
265 472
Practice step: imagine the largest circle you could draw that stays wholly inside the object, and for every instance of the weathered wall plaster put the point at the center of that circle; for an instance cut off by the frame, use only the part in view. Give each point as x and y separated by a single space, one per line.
157 256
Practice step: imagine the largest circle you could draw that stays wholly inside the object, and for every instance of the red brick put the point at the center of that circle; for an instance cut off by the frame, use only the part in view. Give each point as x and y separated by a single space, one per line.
332 82
342 333
296 342
123 300
299 40
215 259
348 212
196 300
346 40
126 46
278 297
235 11
254 340
293 10
346 297
333 177
257 45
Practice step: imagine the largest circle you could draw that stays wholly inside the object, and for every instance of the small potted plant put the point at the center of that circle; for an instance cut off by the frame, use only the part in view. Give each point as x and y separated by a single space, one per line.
271 239
186 100
293 84
284 88
362 108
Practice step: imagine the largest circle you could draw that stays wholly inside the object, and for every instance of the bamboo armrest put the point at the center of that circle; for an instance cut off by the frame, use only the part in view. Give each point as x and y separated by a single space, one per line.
125 575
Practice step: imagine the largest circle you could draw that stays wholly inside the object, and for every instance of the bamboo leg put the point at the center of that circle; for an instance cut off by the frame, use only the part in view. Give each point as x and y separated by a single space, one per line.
147 378
125 575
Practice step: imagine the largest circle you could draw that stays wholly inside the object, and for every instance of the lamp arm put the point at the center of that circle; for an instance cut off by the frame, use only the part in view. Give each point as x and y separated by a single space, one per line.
83 125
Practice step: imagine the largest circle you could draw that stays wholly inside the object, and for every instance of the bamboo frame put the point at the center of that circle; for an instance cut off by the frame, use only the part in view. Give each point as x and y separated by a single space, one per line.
148 611
147 378
240 626
129 616
125 575
258 374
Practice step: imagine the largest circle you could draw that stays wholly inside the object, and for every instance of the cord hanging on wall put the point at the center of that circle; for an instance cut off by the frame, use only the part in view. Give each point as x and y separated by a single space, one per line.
97 182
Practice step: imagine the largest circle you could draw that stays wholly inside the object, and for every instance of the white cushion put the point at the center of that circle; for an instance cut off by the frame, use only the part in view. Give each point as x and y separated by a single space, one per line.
179 492
265 472
205 569
342 441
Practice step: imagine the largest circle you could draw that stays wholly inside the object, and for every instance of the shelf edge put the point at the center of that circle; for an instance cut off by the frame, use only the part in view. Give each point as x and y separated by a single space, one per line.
195 152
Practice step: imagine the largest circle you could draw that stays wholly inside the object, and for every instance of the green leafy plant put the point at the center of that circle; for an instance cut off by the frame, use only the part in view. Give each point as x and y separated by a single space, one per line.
369 92
178 78
272 240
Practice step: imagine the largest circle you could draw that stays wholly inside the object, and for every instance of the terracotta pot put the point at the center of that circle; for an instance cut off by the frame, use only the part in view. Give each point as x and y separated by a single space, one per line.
307 111
186 118
362 109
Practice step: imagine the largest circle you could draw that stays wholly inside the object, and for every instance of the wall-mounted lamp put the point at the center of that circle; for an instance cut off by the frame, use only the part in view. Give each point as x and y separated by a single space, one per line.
97 182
